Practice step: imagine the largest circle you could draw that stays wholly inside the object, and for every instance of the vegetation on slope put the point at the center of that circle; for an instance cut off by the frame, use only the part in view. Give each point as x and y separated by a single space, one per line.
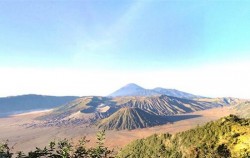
227 137
131 118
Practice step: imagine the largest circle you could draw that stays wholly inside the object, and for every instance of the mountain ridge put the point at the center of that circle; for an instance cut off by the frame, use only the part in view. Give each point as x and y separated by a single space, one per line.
93 110
131 118
243 109
29 102
133 89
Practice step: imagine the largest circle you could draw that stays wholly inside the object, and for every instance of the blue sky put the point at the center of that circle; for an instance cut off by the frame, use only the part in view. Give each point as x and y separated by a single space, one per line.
123 38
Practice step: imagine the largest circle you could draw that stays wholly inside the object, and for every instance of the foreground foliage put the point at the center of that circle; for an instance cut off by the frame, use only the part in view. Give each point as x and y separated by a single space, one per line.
227 137
63 149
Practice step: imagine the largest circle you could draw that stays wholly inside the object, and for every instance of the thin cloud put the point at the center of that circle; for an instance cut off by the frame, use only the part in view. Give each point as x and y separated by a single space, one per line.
220 80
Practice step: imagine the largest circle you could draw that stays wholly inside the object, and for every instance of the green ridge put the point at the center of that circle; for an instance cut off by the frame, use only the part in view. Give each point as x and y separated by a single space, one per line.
227 137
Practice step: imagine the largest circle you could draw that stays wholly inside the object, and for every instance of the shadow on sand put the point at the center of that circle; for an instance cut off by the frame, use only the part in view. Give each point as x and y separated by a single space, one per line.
176 118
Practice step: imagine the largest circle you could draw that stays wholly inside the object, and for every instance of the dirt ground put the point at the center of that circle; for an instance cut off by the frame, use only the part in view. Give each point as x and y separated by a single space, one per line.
26 139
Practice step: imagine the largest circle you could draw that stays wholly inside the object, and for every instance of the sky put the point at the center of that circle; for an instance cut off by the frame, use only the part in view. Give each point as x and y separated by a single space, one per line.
93 47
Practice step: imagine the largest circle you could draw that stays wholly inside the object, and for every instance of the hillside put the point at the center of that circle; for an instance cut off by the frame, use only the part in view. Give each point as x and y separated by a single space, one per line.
165 105
174 93
84 109
131 118
135 90
23 103
227 137
93 110
222 101
243 109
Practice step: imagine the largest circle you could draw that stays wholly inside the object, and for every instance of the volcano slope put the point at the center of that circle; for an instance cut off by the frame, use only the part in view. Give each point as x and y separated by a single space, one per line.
131 118
131 112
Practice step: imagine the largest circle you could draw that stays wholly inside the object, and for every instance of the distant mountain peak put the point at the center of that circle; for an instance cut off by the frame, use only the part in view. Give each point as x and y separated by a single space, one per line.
132 85
133 89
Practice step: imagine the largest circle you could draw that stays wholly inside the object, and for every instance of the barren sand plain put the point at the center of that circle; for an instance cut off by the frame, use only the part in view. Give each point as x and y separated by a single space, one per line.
26 138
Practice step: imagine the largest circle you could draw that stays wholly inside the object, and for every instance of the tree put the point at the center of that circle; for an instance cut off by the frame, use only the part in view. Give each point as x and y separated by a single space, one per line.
63 149
223 151
100 150
5 150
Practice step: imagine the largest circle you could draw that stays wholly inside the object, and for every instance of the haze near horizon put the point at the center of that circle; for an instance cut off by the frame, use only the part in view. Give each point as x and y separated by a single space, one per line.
95 47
